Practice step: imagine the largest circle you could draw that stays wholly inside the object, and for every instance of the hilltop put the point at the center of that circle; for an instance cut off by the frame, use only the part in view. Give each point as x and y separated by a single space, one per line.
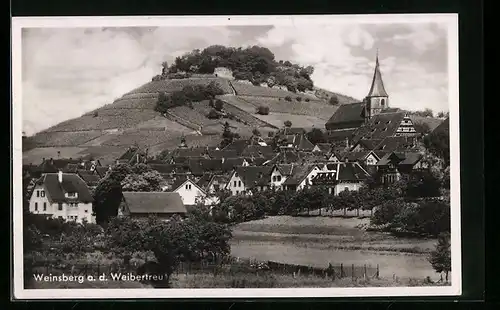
107 131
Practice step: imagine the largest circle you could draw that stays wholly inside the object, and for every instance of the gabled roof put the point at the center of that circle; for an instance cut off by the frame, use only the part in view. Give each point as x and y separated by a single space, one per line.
286 169
218 154
347 115
204 181
102 171
340 135
230 163
300 142
400 158
391 144
355 156
165 168
299 173
237 145
324 147
154 202
257 151
444 126
191 152
180 182
368 144
254 175
91 178
71 183
351 172
285 157
380 126
377 89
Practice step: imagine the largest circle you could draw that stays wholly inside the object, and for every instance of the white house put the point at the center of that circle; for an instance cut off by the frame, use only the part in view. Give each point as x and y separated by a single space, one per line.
62 195
301 177
190 192
338 177
247 179
280 173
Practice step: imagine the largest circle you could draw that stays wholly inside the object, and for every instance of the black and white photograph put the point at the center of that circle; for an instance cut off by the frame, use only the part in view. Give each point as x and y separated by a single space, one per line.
236 156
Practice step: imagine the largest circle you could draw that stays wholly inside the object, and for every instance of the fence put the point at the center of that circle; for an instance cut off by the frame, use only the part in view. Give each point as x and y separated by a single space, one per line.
227 266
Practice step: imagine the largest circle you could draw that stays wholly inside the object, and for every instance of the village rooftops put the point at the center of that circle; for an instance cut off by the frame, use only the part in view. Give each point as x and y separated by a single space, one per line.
153 203
59 184
238 146
299 173
342 172
254 175
380 126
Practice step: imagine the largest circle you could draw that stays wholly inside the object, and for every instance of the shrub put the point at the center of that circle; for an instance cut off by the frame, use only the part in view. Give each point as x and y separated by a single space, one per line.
213 114
307 100
288 98
334 100
219 105
96 114
299 99
263 110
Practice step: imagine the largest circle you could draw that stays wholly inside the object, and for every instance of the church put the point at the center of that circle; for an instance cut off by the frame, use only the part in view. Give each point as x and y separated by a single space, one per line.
371 124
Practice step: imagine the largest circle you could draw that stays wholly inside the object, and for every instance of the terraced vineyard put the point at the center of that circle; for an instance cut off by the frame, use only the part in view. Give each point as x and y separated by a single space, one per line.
143 138
66 138
260 91
192 116
106 119
312 108
162 123
244 112
142 101
191 141
170 86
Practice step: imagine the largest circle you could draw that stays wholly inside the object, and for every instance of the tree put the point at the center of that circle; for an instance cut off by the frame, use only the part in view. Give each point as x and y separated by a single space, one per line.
422 128
219 105
288 124
440 258
227 135
147 181
263 110
316 136
213 114
334 100
164 68
107 199
256 132
299 99
288 98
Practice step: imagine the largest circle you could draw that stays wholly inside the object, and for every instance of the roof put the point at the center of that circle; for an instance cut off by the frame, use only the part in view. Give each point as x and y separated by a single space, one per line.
218 154
199 166
181 181
300 142
400 158
285 157
391 144
286 169
377 89
164 168
342 172
71 183
154 202
257 150
324 147
102 170
205 180
89 177
299 173
293 131
347 116
340 135
230 163
237 145
380 126
191 152
254 175
368 144
129 153
444 126
355 156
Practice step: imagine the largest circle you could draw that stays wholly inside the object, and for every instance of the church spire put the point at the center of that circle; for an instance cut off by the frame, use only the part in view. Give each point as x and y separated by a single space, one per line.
377 89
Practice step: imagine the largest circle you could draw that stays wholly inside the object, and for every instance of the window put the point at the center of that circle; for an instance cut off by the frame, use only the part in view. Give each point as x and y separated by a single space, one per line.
234 183
279 178
346 189
71 194
76 217
237 192
382 102
188 186
239 183
44 206
42 193
86 211
38 193
36 205
274 178
388 122
60 207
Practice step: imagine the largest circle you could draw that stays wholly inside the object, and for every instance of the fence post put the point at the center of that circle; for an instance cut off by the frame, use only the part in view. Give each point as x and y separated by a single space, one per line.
341 270
378 272
352 271
364 275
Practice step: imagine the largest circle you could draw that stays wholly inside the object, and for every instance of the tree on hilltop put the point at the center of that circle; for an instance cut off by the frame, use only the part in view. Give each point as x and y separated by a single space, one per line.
287 124
334 100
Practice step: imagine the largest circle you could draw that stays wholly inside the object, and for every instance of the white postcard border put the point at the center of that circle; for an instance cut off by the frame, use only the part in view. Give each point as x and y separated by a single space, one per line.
18 23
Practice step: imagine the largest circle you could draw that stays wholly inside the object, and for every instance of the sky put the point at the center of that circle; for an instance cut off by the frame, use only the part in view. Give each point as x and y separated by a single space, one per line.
67 72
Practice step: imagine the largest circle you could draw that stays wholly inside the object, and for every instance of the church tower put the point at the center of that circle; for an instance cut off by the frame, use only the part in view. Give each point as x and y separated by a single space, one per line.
377 99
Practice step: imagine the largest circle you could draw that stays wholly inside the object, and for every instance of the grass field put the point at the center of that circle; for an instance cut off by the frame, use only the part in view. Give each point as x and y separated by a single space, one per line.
304 121
66 138
317 241
314 108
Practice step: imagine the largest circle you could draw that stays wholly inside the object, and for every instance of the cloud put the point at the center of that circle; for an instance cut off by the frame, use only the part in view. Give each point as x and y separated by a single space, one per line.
344 59
87 68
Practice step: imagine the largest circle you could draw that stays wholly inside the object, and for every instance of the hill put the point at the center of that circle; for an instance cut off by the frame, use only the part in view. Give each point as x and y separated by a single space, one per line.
106 132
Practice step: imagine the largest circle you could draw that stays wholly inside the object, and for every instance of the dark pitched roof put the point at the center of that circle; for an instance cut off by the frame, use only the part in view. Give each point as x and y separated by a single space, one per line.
347 116
400 158
257 150
351 172
91 179
368 144
179 181
299 173
165 168
204 181
299 142
71 183
444 126
285 157
154 202
391 144
286 169
219 154
230 163
129 153
377 89
355 156
192 152
237 145
380 126
254 175
293 131
324 147
340 135
102 171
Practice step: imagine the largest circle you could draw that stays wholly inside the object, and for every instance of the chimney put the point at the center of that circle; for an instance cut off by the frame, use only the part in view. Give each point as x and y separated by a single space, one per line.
59 176
347 142
52 161
223 159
